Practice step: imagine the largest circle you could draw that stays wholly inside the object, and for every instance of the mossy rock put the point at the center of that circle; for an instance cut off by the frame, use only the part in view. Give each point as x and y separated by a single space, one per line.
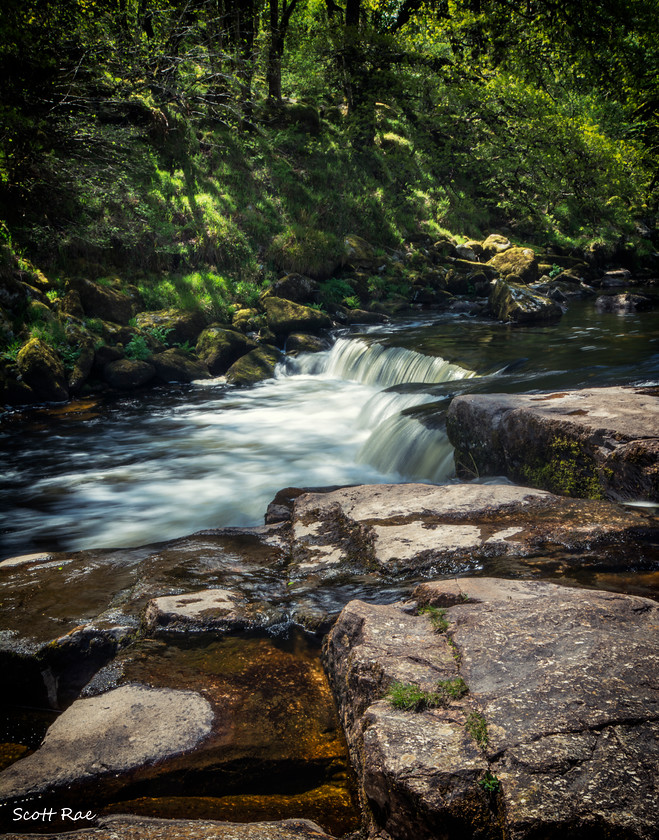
495 244
103 301
285 317
126 374
246 319
13 293
519 261
219 347
13 391
296 287
43 371
71 304
519 304
183 326
304 343
177 366
357 252
255 366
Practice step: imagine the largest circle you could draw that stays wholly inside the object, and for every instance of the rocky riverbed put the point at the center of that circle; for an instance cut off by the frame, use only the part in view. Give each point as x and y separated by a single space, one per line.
180 694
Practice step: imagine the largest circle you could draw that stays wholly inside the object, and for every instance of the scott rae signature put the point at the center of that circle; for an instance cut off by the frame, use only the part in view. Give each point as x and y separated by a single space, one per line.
47 814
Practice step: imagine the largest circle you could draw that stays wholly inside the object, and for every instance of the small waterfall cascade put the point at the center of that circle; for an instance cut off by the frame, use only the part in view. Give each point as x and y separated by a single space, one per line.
398 443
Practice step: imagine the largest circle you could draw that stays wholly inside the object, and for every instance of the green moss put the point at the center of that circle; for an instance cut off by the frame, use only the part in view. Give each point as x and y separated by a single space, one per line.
476 726
411 698
567 470
437 616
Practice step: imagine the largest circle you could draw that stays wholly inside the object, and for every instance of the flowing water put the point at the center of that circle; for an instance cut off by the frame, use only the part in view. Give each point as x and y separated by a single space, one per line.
136 469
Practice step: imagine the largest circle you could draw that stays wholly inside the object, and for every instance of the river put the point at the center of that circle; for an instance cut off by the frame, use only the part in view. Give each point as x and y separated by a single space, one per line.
130 470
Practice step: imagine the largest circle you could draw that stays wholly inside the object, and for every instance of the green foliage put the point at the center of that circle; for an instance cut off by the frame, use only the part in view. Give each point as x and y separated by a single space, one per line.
137 348
452 689
10 353
490 783
69 355
352 302
476 726
95 325
160 333
566 469
555 271
437 616
410 698
335 290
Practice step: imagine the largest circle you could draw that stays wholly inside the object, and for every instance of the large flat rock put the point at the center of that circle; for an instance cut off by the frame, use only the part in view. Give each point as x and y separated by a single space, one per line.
597 443
408 529
557 736
143 828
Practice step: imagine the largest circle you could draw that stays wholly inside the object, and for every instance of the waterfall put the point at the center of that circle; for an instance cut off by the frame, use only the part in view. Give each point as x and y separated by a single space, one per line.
375 364
398 444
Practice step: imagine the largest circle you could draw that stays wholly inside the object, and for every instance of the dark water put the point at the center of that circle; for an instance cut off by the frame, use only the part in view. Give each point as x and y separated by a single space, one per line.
164 463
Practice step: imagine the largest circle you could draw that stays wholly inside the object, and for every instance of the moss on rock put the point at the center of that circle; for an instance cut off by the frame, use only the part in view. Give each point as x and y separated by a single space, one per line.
42 370
255 366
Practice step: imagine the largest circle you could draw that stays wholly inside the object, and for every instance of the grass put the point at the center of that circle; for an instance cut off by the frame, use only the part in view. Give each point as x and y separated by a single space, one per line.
437 616
476 726
411 698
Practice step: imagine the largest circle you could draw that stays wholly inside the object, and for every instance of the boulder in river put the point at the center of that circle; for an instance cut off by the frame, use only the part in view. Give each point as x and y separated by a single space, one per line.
253 367
488 708
597 443
521 262
174 365
178 326
220 347
43 371
517 303
126 374
284 317
623 303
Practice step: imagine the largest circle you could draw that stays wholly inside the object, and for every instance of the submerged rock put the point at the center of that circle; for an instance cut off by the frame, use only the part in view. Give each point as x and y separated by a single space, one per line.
113 733
64 616
597 443
213 717
540 715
